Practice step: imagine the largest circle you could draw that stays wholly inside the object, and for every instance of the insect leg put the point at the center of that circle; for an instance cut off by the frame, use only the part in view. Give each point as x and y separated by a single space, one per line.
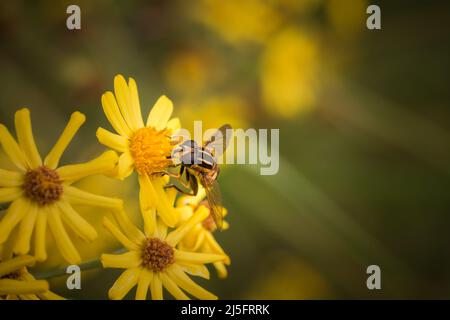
179 189
194 185
170 174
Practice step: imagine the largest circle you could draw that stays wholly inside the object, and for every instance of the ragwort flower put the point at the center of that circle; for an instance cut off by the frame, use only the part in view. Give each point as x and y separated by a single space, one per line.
41 193
153 261
145 148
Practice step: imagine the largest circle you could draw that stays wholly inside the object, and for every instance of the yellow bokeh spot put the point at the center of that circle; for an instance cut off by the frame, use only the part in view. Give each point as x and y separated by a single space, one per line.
289 73
239 20
214 112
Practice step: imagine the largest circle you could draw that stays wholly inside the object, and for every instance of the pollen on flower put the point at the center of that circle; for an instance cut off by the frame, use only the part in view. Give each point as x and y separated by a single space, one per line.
157 254
151 150
42 185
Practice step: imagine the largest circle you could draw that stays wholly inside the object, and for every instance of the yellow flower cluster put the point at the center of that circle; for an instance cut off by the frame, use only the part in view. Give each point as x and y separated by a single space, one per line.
176 240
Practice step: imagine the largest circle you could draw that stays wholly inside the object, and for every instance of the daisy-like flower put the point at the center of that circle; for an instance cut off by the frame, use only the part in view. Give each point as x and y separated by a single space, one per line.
200 238
41 193
154 262
17 283
145 148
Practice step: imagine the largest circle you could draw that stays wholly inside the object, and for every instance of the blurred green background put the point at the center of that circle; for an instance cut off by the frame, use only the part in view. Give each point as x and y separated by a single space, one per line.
364 124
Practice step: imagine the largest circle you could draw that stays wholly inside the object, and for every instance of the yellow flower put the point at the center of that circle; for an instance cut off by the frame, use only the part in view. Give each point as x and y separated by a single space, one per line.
145 147
239 21
153 261
214 112
41 193
200 238
289 71
17 283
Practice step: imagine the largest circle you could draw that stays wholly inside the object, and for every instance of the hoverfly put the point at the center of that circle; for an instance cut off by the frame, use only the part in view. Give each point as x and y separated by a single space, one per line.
199 165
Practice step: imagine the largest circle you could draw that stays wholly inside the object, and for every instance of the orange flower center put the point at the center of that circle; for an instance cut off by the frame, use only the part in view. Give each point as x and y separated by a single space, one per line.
151 150
157 254
42 185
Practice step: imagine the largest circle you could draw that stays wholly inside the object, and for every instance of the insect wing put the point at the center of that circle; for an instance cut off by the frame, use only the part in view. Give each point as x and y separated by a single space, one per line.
214 198
219 141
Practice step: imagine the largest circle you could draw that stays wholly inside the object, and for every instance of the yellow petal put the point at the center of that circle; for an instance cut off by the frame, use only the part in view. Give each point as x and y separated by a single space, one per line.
174 124
150 223
153 195
185 213
25 137
127 280
22 246
221 269
146 195
63 242
112 140
200 239
130 230
127 243
135 104
8 286
130 259
115 118
40 251
10 178
15 213
196 257
156 287
214 246
143 284
76 196
15 264
10 194
76 222
171 195
125 166
124 101
198 270
175 236
162 229
160 113
12 149
170 285
46 295
76 121
105 162
184 282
